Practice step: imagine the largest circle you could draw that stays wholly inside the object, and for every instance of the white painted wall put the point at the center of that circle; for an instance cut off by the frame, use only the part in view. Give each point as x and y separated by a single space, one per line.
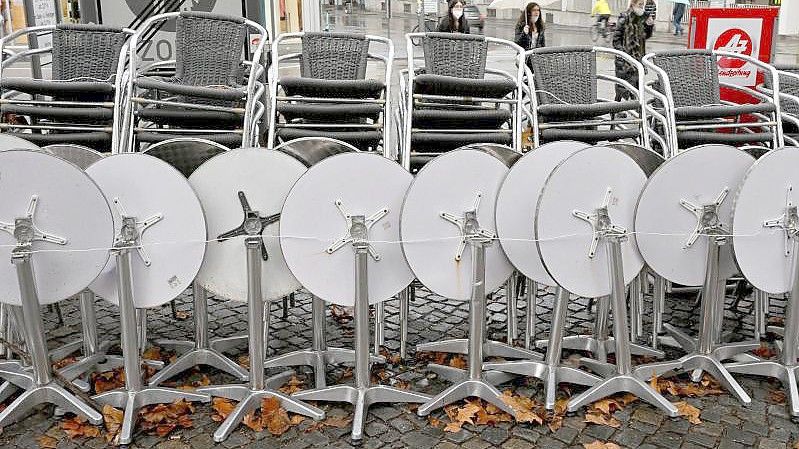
789 18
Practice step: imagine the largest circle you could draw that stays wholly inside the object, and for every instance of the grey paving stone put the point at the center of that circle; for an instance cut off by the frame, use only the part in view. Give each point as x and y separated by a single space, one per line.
629 437
766 443
494 435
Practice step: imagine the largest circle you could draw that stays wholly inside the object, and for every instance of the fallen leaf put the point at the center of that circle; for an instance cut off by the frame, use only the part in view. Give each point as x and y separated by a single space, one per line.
458 361
296 419
222 408
244 361
78 427
607 406
777 397
600 445
453 427
331 421
180 315
64 362
340 314
112 418
764 352
689 411
394 359
435 422
47 442
597 417
108 380
293 385
523 408
346 374
161 419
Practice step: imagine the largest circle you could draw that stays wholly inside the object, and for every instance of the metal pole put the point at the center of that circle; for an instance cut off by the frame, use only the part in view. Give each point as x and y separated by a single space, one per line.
362 379
255 313
318 324
129 333
380 327
513 317
617 292
88 317
404 300
477 317
529 335
34 327
658 302
791 338
601 331
200 316
709 304
558 324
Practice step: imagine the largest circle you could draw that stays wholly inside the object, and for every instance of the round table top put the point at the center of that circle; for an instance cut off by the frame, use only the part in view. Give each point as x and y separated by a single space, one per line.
311 223
585 181
68 205
265 177
664 226
77 154
146 187
11 142
763 253
451 183
517 201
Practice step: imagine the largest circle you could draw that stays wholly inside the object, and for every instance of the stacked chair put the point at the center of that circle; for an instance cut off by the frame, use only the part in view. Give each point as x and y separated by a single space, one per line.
215 92
332 96
451 102
564 101
686 107
789 100
76 104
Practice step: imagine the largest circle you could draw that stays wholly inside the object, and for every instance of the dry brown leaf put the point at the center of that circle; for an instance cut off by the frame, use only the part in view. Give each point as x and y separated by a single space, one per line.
435 422
346 374
607 406
764 352
689 411
181 315
777 397
64 362
458 361
253 421
244 361
161 419
453 427
467 412
222 408
47 442
597 417
331 421
600 445
394 359
112 418
293 385
78 427
296 419
108 380
340 314
523 408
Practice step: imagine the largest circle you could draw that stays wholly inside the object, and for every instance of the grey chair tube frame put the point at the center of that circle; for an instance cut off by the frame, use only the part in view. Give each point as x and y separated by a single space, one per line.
255 88
670 123
637 91
14 56
784 96
387 58
408 97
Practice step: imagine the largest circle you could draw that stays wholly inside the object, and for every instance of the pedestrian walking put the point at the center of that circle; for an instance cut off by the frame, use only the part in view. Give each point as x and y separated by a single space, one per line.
632 30
530 28
677 14
454 22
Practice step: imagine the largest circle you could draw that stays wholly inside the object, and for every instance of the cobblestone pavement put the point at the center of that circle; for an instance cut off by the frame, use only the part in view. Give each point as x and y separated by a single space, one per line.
725 423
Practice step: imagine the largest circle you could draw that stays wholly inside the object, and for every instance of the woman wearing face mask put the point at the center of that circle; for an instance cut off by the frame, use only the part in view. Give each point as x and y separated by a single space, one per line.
632 30
530 28
454 22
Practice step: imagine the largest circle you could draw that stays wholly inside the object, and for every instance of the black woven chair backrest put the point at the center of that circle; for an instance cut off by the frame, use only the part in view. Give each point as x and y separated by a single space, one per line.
455 54
185 155
789 85
86 52
209 49
693 76
334 56
565 75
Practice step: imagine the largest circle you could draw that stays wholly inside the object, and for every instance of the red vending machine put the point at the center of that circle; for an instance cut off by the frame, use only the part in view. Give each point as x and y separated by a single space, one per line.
747 29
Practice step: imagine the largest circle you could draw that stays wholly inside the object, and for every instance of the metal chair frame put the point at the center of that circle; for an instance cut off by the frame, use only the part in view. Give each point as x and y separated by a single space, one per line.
667 119
409 99
254 103
12 56
536 119
290 60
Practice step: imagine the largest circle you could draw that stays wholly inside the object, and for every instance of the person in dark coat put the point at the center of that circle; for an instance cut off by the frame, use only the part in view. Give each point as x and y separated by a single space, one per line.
530 28
632 30
454 22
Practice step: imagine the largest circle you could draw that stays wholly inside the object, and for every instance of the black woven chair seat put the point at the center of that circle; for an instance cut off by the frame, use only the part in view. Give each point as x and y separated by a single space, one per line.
691 138
57 88
322 88
330 112
585 111
428 84
174 86
363 140
84 113
441 142
93 139
460 119
589 135
230 140
719 111
185 156
190 117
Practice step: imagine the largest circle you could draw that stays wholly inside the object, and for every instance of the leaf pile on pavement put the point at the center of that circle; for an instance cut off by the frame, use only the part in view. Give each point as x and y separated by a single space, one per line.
707 386
338 422
64 362
342 315
112 418
601 412
688 411
270 416
443 358
78 427
393 359
47 442
108 380
161 419
159 354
